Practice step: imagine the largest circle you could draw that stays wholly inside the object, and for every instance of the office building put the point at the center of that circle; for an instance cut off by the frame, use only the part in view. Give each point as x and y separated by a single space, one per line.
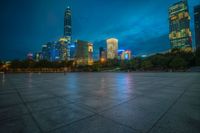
67 22
30 56
72 51
84 53
63 48
112 48
179 23
102 54
197 25
126 55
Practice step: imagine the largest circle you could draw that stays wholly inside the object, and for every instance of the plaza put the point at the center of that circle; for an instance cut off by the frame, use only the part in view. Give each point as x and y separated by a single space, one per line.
100 103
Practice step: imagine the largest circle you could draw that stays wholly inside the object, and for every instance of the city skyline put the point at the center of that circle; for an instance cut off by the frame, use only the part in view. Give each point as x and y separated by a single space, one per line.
133 31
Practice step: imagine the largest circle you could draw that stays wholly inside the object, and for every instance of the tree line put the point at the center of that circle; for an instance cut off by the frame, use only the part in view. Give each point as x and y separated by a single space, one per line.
172 61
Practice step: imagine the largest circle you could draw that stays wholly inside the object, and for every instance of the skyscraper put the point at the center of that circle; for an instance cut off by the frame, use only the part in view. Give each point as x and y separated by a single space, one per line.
179 22
112 48
63 48
68 31
68 22
84 53
197 25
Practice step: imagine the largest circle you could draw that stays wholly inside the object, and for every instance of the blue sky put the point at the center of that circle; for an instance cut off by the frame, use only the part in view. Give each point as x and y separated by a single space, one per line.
140 25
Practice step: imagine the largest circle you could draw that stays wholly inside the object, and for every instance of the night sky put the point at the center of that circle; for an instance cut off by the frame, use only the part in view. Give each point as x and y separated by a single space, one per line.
140 25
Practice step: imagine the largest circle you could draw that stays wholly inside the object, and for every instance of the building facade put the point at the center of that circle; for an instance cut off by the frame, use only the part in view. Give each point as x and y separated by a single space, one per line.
84 53
179 23
126 55
68 23
112 48
197 25
102 54
64 49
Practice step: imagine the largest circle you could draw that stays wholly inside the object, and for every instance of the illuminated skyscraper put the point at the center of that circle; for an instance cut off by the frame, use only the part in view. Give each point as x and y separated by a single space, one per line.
68 23
197 25
179 22
63 49
112 47
84 53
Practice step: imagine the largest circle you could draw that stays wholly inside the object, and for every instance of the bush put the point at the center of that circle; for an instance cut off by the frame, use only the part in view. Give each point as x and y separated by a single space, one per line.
146 65
178 63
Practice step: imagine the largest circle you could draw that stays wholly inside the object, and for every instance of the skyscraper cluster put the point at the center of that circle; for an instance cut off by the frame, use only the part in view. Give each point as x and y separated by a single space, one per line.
62 49
81 52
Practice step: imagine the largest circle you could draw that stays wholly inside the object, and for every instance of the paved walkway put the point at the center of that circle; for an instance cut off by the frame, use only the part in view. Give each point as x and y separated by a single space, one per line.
100 103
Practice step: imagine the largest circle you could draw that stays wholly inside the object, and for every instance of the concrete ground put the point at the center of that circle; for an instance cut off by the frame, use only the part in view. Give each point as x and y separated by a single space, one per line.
100 103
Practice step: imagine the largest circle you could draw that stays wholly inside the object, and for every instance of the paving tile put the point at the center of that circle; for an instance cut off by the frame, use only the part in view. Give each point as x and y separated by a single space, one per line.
181 118
12 111
95 124
9 99
35 96
57 117
47 104
22 124
98 104
140 117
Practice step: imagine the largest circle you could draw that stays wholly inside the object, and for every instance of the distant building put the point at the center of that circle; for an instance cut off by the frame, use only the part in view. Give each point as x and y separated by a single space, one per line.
119 52
84 53
102 54
72 51
64 49
30 56
45 53
124 54
179 22
38 56
112 47
197 25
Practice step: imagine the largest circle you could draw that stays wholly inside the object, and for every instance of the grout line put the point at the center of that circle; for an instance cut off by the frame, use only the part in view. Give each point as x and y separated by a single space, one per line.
29 111
65 125
170 107
124 125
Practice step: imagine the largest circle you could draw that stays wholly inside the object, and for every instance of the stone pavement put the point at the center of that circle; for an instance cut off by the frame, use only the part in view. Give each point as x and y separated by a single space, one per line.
100 103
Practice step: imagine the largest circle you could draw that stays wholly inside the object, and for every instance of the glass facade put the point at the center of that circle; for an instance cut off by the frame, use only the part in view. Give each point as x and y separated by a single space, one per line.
179 23
67 22
83 53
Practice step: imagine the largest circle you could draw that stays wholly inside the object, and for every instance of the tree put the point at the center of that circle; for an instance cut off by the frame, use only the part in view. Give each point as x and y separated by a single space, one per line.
178 63
146 65
160 61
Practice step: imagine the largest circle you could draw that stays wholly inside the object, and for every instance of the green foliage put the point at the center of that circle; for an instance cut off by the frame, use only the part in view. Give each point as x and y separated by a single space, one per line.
146 65
178 63
176 60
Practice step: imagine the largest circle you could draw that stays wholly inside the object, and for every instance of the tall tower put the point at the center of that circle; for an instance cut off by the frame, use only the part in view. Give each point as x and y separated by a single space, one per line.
179 22
67 33
197 25
68 23
112 48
